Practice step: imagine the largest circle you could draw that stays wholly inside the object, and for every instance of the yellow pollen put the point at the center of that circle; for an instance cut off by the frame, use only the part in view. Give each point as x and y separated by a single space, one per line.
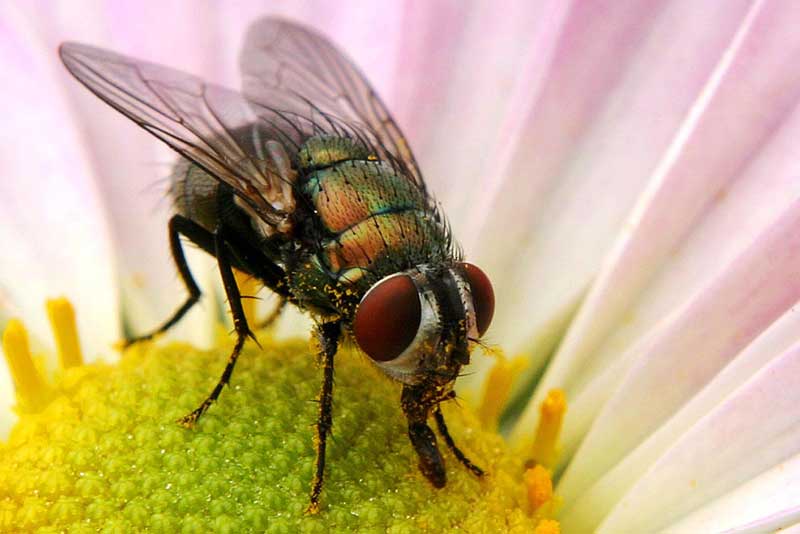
547 526
62 321
31 389
551 417
497 389
248 287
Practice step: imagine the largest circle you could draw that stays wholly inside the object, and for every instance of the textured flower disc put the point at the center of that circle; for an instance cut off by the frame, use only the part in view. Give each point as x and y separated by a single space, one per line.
107 454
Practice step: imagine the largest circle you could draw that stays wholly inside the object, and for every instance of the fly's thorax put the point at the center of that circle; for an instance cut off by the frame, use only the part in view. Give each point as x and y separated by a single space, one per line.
420 325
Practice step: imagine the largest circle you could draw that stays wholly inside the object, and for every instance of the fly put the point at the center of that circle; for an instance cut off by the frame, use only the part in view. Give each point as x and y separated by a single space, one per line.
304 181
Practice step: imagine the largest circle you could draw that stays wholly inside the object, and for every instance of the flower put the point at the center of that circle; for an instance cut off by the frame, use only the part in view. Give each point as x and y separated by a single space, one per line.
624 172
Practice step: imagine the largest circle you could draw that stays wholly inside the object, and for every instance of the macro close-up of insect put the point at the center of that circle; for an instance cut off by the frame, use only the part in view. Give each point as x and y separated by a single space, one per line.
304 182
400 267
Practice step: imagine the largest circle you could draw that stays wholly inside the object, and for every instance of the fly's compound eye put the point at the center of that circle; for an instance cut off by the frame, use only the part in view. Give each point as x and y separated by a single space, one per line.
482 296
388 318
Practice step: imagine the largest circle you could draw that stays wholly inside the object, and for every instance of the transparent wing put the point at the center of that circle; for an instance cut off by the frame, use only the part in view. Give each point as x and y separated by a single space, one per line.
290 70
208 124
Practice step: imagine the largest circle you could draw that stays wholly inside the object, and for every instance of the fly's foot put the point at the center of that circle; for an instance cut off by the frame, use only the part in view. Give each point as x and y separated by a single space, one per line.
124 344
190 419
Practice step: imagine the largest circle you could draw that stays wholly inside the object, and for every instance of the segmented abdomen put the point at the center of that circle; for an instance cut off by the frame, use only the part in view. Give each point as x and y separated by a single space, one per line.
369 212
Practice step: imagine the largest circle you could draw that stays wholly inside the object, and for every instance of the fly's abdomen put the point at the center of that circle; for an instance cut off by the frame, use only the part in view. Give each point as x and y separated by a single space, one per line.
352 191
401 238
369 212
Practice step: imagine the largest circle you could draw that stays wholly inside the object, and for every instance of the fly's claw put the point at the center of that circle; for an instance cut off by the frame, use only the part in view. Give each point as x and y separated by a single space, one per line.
190 420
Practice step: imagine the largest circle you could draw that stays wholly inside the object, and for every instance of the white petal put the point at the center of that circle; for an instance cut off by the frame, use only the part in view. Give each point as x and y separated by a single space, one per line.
53 231
583 153
591 504
754 430
52 225
766 503
696 216
690 348
126 164
495 47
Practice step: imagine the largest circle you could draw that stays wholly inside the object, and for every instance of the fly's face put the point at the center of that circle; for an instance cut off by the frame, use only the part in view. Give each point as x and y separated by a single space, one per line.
419 326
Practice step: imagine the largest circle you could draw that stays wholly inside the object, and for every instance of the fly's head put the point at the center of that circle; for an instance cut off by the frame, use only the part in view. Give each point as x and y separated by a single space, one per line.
419 327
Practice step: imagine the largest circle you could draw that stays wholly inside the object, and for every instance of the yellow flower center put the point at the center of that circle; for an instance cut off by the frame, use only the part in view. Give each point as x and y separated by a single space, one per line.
98 448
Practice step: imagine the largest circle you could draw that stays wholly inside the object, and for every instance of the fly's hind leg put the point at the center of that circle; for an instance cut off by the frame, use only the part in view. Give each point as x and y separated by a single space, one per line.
181 226
223 255
329 342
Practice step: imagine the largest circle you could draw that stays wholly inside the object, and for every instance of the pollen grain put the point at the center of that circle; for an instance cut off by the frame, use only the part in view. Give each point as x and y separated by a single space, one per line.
548 526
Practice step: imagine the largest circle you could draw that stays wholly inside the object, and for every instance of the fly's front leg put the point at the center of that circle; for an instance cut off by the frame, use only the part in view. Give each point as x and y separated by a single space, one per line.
451 444
329 334
222 253
181 226
415 404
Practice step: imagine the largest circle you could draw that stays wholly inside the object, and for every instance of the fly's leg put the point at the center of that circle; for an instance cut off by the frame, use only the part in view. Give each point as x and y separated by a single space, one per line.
241 328
430 459
329 341
415 403
452 446
181 226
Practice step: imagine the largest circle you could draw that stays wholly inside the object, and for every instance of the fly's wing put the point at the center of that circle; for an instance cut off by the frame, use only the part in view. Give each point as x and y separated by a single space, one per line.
197 119
292 72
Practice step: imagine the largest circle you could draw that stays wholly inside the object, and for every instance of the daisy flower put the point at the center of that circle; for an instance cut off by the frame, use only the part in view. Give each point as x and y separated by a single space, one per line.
625 173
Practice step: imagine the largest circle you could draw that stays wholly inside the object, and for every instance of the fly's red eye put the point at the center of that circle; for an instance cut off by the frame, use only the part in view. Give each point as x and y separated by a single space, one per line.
388 318
482 296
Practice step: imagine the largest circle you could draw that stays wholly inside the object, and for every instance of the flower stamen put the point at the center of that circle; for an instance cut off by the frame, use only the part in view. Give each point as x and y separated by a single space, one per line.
62 321
497 389
31 388
551 418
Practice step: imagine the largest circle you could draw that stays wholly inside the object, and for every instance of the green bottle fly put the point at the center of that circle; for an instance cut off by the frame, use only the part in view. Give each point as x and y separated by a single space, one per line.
303 181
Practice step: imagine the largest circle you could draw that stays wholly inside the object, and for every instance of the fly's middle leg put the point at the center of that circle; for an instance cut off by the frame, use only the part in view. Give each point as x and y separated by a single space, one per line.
460 456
